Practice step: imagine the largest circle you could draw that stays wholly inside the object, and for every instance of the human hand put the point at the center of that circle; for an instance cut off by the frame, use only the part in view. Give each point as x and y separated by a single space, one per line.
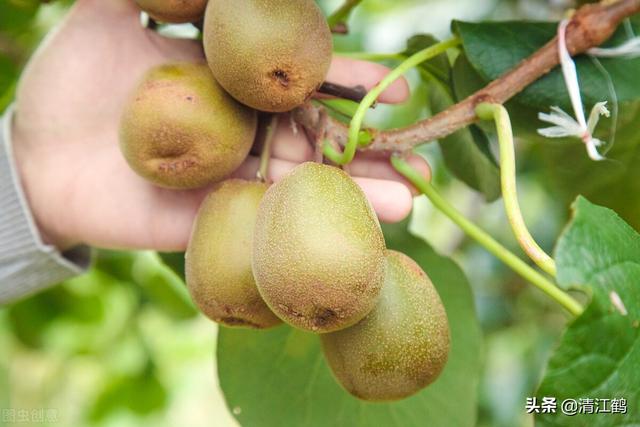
65 136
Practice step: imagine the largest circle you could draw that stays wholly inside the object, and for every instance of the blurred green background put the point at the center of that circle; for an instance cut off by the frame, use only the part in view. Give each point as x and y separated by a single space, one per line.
122 346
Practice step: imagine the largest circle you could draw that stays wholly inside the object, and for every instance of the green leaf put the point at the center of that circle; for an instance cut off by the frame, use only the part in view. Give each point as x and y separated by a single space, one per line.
495 47
160 278
439 66
141 394
162 286
117 264
16 15
8 76
599 354
279 377
175 261
466 151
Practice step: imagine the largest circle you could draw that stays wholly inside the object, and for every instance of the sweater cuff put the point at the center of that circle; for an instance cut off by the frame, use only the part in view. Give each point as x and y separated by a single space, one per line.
27 265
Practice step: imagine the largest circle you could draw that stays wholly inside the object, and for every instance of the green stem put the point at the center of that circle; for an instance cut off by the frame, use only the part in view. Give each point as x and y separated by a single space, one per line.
482 237
341 15
265 156
500 115
355 135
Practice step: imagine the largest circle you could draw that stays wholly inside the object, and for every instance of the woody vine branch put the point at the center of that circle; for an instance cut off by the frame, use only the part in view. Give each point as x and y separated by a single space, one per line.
590 26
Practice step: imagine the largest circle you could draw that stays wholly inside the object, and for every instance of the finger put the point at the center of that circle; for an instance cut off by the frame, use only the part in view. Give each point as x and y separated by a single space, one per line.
380 168
351 72
121 8
170 219
115 19
291 142
176 49
139 215
173 49
391 200
167 222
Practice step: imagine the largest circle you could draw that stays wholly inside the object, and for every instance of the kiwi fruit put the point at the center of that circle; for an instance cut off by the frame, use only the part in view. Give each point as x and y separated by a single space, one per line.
269 55
218 258
181 130
401 346
318 252
174 11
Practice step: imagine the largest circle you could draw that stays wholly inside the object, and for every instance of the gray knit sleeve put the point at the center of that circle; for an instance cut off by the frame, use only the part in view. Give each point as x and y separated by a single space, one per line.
27 265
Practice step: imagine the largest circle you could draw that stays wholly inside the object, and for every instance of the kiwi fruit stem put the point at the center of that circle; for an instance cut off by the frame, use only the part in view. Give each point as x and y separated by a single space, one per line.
152 24
352 93
267 147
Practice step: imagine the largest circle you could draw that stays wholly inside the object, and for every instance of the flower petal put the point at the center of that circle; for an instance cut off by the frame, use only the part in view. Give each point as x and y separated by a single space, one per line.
555 132
592 149
628 49
599 109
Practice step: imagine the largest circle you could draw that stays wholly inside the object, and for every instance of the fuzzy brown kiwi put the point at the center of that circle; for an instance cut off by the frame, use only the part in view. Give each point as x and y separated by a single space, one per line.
174 11
318 254
270 55
401 346
218 258
180 129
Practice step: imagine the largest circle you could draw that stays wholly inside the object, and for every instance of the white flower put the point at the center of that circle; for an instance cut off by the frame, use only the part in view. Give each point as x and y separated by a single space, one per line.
565 125
628 49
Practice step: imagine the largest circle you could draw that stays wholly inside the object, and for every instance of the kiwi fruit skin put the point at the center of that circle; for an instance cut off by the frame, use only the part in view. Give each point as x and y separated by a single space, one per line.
318 254
401 346
269 55
174 11
218 258
181 130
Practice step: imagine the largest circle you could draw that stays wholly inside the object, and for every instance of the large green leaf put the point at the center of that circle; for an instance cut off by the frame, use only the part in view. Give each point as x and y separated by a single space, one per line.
279 377
599 354
495 47
466 151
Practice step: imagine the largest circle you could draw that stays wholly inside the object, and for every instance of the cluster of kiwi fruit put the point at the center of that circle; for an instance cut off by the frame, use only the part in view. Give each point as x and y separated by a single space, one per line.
307 251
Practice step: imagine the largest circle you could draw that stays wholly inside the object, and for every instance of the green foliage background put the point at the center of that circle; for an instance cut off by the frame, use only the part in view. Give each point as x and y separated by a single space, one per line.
122 346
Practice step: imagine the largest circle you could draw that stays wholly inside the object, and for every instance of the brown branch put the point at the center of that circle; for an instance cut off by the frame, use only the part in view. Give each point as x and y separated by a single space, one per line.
590 26
312 119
